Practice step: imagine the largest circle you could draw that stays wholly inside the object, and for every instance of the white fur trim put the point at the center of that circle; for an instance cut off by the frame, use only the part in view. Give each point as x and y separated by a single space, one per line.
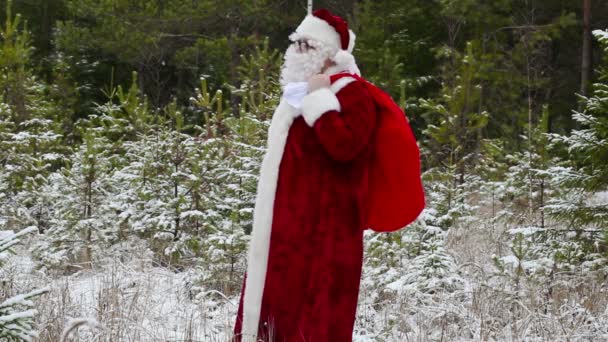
341 83
345 61
351 41
343 58
320 30
257 259
317 103
354 69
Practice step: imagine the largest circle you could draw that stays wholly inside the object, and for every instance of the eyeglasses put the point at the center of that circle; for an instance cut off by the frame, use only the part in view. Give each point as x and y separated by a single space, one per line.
302 45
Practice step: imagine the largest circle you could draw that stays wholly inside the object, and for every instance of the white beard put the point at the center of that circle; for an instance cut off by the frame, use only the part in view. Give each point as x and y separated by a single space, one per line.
299 67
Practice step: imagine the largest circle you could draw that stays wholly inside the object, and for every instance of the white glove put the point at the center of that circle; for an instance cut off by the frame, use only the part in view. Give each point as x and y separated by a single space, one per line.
295 92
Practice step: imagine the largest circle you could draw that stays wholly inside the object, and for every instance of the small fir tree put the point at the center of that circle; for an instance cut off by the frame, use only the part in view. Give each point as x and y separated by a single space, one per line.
17 313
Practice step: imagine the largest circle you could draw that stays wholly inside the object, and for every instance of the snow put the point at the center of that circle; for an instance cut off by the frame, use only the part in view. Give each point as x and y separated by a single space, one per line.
137 300
526 231
16 316
600 34
599 198
141 301
5 234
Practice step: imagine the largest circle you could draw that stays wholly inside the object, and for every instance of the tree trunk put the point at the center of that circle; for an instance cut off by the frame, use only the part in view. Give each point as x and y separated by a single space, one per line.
177 212
586 54
86 252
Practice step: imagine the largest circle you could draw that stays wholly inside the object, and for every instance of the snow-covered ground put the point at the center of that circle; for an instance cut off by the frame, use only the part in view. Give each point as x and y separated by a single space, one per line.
128 298
130 301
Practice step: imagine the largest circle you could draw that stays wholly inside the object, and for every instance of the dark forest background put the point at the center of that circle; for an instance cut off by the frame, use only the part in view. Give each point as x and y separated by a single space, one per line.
528 53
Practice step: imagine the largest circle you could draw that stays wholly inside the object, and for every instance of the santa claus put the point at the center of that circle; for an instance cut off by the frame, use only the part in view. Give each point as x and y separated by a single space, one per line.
306 249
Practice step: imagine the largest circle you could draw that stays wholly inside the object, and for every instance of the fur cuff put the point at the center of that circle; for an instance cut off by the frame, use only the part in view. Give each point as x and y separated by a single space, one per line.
317 103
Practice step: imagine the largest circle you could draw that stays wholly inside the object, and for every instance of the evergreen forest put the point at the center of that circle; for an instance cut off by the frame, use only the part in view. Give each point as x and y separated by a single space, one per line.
132 133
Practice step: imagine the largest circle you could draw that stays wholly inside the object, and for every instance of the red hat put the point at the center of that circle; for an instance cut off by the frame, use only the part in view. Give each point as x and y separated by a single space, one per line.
329 29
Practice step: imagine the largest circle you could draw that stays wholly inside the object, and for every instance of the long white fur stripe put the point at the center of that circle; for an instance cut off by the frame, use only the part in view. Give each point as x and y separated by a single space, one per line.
257 260
319 29
315 104
341 83
351 41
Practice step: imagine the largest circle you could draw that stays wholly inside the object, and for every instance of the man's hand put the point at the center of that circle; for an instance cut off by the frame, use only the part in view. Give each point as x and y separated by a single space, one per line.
317 82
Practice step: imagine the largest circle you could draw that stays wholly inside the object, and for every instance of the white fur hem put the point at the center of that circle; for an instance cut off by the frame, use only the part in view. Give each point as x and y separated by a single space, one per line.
341 83
257 260
317 103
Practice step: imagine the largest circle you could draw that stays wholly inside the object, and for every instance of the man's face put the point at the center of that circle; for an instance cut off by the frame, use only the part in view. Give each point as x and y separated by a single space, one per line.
303 46
304 58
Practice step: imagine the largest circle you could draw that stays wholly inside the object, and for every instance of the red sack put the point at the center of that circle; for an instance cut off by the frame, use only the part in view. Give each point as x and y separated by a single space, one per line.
395 185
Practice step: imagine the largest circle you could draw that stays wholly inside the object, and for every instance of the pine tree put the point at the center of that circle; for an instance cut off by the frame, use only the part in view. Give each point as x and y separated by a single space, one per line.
394 43
456 118
491 168
454 138
82 217
150 174
584 174
526 186
237 170
29 133
17 313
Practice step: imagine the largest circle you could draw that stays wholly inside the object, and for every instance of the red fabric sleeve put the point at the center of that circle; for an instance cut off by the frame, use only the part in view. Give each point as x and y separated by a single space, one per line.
346 132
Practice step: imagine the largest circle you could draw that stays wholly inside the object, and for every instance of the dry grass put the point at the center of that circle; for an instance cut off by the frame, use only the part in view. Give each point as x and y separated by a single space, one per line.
151 304
134 300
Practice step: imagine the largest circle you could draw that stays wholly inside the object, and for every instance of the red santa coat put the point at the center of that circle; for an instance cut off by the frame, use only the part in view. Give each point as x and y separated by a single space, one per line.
306 251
